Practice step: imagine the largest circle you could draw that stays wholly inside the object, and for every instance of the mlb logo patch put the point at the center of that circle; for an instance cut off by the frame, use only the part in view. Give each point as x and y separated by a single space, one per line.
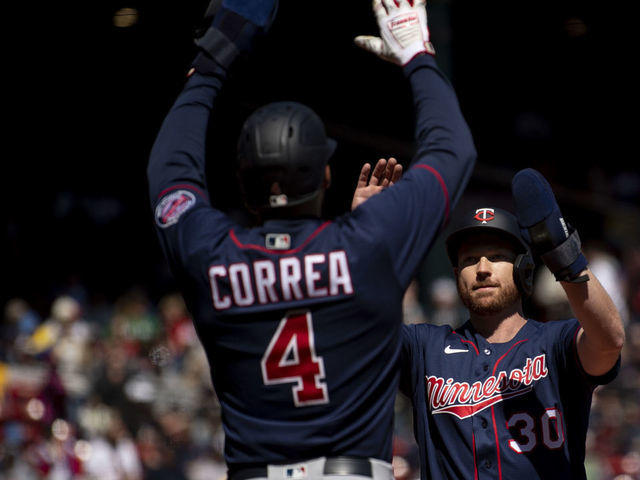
278 241
294 473
172 206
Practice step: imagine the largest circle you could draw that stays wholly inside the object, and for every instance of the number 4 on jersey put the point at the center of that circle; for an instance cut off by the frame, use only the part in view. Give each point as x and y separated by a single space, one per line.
291 357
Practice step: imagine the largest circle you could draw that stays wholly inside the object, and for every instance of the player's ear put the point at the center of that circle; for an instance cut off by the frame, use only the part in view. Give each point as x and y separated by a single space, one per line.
327 177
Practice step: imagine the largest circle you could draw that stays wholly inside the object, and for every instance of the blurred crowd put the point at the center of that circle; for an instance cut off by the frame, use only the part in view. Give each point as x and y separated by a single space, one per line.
112 392
121 390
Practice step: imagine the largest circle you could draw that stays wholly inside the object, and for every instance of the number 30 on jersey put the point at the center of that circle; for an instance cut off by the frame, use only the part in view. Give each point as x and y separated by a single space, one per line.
291 358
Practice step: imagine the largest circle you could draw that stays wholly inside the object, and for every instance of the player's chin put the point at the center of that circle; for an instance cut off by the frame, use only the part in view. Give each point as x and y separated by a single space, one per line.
488 301
478 302
485 306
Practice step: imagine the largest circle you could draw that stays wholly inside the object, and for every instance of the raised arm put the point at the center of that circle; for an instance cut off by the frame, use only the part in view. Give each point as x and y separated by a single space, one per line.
413 212
601 337
178 154
176 172
445 143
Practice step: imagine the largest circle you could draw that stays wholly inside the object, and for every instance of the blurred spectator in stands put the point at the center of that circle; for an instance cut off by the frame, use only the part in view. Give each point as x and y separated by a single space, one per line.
178 327
631 262
411 306
134 324
606 266
445 306
70 350
549 297
405 462
20 321
112 384
158 458
112 453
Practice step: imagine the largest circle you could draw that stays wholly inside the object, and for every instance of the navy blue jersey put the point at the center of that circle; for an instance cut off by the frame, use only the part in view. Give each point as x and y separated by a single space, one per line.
300 319
499 410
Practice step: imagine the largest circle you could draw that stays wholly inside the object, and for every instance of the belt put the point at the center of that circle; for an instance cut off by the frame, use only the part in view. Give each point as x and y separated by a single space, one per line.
332 466
347 466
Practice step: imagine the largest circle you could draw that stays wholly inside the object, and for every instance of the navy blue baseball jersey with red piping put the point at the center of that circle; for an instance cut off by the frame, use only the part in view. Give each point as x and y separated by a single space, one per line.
499 410
300 319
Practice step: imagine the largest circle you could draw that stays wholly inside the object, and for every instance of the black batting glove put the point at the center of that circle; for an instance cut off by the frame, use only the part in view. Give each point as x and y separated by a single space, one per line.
544 228
231 28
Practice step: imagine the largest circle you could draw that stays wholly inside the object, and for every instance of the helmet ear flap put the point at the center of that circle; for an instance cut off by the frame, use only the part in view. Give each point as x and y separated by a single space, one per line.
523 269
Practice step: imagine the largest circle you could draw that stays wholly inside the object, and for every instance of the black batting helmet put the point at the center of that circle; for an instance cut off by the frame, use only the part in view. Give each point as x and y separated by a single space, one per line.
282 151
498 221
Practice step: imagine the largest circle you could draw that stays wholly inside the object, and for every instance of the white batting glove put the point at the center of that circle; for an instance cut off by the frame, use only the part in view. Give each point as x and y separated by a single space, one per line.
403 28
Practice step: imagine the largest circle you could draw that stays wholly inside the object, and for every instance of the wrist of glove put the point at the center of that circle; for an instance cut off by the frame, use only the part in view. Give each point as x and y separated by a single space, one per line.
544 229
404 32
565 260
231 28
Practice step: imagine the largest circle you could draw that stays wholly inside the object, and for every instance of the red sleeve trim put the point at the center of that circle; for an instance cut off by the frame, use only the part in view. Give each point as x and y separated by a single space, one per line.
442 185
185 186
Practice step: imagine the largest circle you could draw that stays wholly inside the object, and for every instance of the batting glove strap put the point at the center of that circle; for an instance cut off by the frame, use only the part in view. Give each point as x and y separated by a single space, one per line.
565 261
217 46
231 33
543 227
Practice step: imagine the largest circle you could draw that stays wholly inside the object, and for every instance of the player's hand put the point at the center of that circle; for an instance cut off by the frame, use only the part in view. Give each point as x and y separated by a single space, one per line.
384 174
231 28
403 28
544 229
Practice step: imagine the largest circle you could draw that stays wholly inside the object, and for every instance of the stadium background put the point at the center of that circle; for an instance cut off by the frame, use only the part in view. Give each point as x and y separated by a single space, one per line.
546 86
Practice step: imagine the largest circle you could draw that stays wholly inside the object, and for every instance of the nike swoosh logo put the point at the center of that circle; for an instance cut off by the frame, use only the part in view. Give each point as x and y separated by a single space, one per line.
448 349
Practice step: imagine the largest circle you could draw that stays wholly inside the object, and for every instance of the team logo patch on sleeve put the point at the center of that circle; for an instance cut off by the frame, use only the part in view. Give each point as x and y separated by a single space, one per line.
172 206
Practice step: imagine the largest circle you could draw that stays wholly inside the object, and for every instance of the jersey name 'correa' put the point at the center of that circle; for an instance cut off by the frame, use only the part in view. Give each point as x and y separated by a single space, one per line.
291 278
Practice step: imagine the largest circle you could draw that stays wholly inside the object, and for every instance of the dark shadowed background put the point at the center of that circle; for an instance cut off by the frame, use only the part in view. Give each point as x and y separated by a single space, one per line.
543 85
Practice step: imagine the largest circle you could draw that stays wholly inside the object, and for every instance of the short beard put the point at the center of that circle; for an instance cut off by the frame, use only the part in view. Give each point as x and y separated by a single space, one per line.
490 305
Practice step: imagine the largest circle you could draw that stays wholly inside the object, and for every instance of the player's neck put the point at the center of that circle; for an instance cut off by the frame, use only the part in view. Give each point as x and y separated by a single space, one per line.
310 209
499 328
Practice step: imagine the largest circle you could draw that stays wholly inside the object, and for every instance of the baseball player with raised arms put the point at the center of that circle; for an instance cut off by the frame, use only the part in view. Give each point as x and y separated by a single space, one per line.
504 396
301 317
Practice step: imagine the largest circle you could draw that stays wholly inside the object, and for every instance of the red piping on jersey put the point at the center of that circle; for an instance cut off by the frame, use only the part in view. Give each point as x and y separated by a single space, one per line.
493 412
185 185
252 246
442 185
506 353
469 342
475 464
495 433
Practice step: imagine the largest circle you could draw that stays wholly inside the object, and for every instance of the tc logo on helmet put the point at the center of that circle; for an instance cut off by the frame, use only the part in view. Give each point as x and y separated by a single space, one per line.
484 215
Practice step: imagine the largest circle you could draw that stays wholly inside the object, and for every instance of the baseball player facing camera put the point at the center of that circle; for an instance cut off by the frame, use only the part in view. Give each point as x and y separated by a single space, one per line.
504 396
301 317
